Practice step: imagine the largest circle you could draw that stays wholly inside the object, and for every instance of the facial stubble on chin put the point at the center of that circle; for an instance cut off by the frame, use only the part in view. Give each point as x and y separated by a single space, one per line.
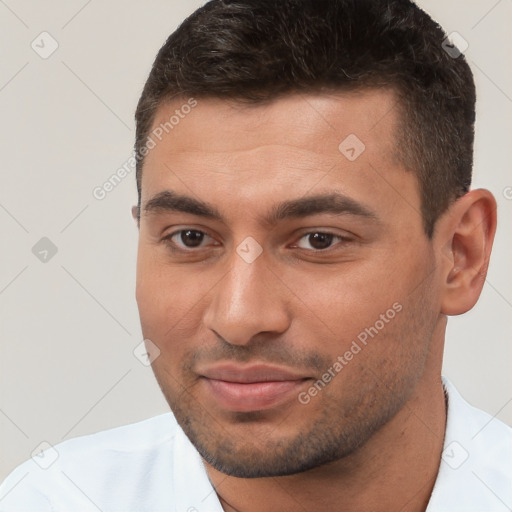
238 448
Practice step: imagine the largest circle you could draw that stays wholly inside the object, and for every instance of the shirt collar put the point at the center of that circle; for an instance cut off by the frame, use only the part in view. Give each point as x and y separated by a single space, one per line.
472 474
193 489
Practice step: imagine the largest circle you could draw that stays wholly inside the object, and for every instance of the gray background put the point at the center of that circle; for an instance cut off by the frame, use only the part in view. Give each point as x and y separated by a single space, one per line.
68 326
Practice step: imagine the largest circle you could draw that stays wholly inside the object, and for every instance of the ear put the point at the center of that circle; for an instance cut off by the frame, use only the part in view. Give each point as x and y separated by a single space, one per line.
135 215
466 232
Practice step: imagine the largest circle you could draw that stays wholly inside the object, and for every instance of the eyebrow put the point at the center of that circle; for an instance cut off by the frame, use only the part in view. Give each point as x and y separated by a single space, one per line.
332 203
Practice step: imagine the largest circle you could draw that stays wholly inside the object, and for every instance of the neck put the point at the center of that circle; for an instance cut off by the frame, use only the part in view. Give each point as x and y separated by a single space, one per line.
395 470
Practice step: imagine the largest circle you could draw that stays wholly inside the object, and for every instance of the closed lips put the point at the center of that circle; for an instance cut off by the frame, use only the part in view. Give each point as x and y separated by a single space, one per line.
250 388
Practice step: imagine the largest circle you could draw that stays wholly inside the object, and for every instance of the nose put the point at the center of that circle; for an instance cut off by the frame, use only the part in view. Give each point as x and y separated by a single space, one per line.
248 301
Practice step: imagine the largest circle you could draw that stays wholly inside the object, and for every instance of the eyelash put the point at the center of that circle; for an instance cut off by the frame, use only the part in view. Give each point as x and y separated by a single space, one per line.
174 247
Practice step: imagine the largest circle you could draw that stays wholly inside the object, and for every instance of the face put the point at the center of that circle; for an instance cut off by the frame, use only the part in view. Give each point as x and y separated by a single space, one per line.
284 275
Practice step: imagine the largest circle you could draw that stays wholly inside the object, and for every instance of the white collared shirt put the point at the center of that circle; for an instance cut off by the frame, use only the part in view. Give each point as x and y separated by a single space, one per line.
151 466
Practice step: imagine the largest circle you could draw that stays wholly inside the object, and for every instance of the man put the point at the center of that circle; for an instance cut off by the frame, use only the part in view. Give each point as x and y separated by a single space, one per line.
306 227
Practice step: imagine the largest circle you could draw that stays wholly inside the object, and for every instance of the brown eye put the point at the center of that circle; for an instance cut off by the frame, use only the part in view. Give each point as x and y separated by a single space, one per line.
186 238
191 237
318 240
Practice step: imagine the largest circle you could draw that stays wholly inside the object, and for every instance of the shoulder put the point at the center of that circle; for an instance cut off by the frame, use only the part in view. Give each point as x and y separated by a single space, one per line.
475 472
86 469
482 433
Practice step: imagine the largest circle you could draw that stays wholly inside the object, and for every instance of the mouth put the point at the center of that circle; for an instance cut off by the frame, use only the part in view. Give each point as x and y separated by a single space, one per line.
251 388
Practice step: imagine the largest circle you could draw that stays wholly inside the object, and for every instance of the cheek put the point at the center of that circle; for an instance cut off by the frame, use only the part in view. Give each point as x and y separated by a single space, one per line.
373 315
164 308
159 294
377 357
170 299
339 303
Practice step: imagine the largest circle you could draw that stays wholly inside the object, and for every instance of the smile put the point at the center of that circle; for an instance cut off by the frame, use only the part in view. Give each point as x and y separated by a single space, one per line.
254 388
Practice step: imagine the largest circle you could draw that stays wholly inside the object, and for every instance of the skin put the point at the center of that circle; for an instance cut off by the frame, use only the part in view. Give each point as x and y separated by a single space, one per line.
371 439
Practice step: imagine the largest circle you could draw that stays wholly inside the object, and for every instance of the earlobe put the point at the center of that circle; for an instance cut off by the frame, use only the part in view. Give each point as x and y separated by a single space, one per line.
469 229
135 214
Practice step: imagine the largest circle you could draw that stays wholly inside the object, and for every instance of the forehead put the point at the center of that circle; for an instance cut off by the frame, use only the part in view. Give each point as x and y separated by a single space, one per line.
282 149
306 121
